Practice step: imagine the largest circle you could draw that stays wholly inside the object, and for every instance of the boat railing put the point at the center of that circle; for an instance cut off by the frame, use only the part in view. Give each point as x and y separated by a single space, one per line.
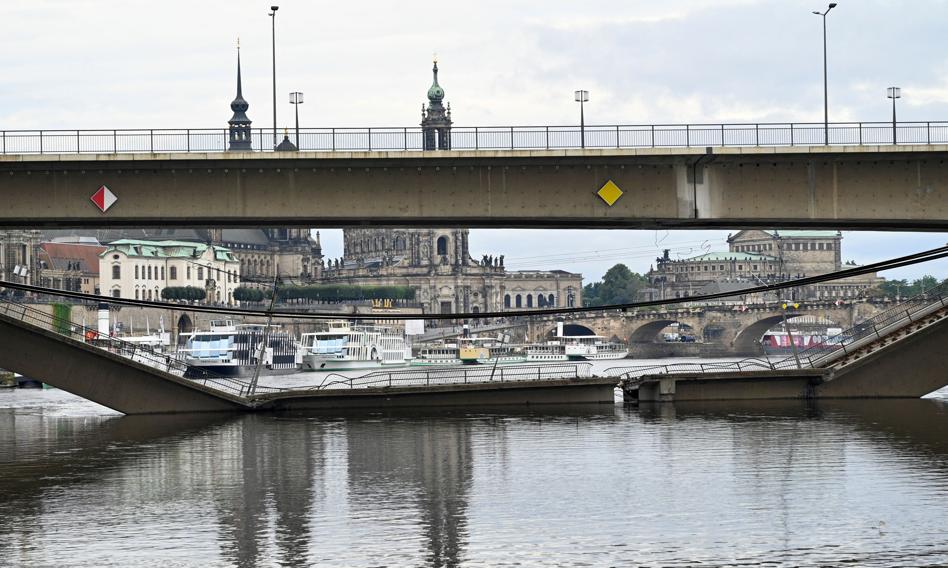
433 376
169 363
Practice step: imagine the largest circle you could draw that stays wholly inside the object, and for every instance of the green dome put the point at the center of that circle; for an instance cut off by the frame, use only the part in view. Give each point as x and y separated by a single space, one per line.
435 92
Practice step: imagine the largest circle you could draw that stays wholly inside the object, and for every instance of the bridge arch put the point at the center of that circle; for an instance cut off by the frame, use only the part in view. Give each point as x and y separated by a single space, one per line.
748 339
572 329
648 332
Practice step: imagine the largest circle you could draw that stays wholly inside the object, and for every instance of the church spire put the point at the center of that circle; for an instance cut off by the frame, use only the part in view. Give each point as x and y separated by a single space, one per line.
435 119
239 122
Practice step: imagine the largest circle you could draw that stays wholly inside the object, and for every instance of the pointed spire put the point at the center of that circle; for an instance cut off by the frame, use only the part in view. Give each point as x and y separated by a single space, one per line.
435 93
239 123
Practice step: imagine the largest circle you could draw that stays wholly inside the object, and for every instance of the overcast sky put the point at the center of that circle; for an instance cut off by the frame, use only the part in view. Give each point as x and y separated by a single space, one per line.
82 64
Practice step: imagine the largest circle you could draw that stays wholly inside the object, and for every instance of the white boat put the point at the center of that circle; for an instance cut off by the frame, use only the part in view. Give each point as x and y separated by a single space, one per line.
234 350
576 348
342 346
471 351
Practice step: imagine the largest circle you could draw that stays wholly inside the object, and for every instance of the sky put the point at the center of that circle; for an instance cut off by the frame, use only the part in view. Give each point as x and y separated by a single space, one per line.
85 64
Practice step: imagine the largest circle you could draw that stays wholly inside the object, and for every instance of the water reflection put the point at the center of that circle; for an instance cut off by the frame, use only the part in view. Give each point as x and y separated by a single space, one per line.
788 482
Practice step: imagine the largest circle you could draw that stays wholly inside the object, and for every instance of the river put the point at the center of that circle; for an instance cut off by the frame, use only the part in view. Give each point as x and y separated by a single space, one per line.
786 483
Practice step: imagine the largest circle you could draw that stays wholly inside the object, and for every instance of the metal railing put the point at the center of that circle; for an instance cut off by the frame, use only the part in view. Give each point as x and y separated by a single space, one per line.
358 139
452 375
817 356
142 354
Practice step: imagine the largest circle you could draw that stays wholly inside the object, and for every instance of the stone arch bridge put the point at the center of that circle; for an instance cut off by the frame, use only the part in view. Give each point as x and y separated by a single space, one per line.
735 330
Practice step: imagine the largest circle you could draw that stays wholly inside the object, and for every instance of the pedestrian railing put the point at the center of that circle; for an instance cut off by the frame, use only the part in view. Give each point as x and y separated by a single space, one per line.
350 139
815 357
458 374
142 354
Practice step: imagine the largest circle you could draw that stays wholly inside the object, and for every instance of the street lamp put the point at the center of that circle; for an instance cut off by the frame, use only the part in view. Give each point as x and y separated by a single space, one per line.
893 93
273 14
825 97
296 99
582 97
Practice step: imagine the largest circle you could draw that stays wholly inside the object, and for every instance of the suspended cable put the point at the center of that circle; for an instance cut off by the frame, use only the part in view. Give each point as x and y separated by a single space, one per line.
908 260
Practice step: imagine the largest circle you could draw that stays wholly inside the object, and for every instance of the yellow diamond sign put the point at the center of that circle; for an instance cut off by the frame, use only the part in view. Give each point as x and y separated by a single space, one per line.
610 193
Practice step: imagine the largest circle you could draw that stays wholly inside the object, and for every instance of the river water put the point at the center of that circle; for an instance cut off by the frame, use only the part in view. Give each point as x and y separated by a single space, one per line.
788 483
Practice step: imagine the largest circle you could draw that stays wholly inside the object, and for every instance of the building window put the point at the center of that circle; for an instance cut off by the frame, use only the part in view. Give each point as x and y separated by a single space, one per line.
740 267
116 293
136 293
507 300
200 273
149 273
136 274
188 273
529 300
173 272
550 300
519 301
443 246
162 272
116 274
755 267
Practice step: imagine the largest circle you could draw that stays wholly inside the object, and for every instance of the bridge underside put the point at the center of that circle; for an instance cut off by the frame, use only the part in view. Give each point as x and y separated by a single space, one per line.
829 187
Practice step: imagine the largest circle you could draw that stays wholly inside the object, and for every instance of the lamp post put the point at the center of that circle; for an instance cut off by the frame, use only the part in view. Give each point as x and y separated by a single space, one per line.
893 93
273 15
582 97
825 90
296 99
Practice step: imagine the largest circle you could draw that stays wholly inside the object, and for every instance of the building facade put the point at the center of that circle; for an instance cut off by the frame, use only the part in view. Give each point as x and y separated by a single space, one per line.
140 270
437 263
756 257
72 266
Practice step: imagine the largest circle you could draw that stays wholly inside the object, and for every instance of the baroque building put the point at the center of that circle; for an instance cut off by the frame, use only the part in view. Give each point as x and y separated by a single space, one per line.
437 263
757 257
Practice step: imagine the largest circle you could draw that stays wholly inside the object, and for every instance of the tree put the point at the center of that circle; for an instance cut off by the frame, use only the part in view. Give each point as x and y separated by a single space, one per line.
904 289
183 293
618 286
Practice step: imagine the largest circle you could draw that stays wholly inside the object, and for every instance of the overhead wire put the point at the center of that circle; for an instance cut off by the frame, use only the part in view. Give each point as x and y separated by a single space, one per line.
907 260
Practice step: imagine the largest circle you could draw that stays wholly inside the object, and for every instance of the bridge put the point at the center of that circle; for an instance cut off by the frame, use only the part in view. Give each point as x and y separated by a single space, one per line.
733 330
694 176
868 360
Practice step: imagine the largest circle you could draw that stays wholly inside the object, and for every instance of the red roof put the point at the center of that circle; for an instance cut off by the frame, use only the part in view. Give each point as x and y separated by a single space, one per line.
60 254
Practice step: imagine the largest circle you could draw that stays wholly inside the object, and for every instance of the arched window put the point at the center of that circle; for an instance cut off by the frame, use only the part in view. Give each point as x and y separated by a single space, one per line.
443 246
519 301
136 293
541 301
116 273
399 243
173 272
475 310
507 300
550 300
529 300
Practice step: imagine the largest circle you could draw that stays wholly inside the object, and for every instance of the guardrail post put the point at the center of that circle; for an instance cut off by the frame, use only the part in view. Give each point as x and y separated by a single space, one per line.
427 378
860 134
688 136
617 136
334 139
4 141
77 143
114 142
477 142
653 136
791 134
756 134
151 140
722 136
370 139
41 141
406 138
547 129
187 134
928 131
511 138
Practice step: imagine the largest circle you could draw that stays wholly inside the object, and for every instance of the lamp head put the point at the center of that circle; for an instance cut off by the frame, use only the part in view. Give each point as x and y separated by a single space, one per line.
275 8
832 5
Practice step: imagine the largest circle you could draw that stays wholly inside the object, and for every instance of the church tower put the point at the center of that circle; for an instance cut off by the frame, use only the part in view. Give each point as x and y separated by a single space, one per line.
239 123
436 119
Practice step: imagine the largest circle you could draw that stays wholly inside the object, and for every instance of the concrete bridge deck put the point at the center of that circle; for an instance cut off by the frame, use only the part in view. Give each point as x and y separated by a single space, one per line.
885 187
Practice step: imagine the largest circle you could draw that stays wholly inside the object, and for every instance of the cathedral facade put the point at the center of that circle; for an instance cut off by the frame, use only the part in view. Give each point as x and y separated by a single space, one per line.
438 264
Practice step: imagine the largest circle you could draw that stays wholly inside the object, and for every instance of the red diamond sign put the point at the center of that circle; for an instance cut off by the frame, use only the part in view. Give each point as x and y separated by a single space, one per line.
104 198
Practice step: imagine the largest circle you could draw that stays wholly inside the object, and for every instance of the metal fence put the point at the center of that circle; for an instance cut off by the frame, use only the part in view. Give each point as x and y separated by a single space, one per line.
453 375
816 356
183 140
142 354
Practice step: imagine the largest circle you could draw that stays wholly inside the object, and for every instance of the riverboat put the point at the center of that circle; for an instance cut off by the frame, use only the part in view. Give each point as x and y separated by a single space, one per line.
234 350
779 342
575 348
471 351
342 346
